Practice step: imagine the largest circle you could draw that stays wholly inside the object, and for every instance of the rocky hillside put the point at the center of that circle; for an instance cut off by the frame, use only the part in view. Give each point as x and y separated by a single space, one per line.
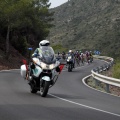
91 24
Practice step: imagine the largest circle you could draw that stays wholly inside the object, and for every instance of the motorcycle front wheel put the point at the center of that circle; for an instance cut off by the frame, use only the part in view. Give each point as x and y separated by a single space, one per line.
70 68
44 88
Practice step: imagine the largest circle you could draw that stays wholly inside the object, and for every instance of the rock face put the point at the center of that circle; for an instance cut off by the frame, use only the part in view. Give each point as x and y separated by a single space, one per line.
92 24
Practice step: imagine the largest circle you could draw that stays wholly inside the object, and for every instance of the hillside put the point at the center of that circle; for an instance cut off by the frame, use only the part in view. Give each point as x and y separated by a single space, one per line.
14 61
91 24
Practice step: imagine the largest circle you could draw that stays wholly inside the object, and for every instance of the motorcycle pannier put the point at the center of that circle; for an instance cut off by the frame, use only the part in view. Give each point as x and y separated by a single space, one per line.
23 71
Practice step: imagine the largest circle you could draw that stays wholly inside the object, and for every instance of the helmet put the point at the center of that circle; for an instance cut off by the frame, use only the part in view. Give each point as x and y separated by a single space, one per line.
44 43
70 51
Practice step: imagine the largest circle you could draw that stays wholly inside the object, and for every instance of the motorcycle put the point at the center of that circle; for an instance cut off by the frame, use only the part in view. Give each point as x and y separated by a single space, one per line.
70 63
42 72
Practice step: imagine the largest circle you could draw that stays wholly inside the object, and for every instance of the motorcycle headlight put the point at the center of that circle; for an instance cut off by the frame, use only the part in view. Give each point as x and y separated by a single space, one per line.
52 66
43 65
69 57
68 60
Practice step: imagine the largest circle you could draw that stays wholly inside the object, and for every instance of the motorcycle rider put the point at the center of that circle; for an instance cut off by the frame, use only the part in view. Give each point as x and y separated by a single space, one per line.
87 56
77 57
70 53
38 51
44 44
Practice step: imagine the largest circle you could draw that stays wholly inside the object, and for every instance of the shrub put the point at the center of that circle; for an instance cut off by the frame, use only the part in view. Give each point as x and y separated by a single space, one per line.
20 44
116 70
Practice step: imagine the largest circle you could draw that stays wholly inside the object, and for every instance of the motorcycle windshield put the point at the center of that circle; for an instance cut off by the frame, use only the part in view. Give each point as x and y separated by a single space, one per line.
48 55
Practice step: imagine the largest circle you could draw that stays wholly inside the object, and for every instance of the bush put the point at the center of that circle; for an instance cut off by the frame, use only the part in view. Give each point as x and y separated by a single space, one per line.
116 70
20 44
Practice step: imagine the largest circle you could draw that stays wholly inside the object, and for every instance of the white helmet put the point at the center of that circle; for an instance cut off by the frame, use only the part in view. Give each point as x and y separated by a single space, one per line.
70 51
44 43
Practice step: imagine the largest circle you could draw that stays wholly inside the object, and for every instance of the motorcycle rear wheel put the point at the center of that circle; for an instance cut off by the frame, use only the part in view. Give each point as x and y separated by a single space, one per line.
44 88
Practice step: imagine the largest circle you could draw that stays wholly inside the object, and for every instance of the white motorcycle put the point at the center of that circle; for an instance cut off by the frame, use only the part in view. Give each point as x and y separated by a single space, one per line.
70 63
42 72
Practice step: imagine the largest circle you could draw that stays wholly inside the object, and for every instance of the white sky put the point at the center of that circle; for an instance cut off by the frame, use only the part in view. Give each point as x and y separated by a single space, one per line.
55 3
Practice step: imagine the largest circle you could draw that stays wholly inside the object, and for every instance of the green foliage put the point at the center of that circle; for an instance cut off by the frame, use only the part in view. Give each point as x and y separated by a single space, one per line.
20 44
116 69
25 18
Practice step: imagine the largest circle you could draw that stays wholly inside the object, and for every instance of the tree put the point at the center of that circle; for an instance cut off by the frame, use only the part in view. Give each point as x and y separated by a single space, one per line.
25 17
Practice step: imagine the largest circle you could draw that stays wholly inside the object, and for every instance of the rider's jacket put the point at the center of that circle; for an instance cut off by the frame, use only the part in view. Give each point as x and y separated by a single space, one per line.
63 53
71 54
37 52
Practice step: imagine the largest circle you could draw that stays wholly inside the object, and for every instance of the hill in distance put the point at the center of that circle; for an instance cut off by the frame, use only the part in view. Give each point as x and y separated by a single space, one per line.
88 24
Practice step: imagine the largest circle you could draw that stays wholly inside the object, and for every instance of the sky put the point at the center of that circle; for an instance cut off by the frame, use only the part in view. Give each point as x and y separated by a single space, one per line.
55 3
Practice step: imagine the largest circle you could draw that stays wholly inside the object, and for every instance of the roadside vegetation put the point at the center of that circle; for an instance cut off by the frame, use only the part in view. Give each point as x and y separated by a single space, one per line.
59 48
116 70
23 23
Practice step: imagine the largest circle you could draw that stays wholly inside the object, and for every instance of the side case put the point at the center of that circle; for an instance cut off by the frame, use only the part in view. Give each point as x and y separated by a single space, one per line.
23 71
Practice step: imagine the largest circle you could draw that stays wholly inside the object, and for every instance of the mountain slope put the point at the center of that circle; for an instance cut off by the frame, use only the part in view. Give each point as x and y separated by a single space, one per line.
88 24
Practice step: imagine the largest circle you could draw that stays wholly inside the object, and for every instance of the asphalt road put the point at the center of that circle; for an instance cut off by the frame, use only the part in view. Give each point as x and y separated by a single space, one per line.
68 99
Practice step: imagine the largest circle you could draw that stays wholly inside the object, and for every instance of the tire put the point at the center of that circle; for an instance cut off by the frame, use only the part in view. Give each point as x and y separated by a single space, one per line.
44 89
70 68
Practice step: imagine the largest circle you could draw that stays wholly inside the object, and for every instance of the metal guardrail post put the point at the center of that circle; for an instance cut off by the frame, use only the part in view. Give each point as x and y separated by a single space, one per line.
107 88
97 83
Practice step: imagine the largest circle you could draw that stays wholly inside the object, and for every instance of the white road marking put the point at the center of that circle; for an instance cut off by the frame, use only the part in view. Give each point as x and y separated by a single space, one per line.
84 105
8 70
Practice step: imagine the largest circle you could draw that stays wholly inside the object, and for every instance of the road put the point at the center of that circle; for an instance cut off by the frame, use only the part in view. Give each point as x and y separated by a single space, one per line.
68 99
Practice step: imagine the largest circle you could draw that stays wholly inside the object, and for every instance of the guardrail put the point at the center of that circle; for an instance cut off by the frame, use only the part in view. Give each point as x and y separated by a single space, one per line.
101 78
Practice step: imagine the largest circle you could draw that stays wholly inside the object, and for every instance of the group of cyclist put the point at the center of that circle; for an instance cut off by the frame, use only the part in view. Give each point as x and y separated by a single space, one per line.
79 57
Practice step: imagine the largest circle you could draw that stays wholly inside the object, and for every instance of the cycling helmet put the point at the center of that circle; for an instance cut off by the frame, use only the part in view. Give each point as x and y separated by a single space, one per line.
44 43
